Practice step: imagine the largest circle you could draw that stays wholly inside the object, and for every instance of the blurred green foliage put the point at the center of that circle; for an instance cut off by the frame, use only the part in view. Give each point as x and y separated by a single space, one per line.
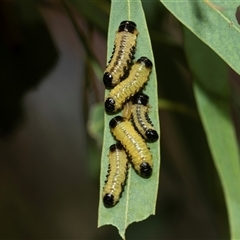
191 202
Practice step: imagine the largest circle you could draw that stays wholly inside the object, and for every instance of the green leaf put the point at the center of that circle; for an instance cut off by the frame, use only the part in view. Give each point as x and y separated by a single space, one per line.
139 197
212 96
214 22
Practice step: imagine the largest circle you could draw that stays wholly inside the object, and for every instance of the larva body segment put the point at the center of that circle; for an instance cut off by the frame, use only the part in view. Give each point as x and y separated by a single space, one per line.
117 174
141 118
135 146
132 84
127 110
123 53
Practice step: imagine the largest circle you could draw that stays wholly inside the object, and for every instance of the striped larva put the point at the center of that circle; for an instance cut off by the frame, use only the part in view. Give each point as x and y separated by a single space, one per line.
123 53
117 174
133 83
134 144
141 119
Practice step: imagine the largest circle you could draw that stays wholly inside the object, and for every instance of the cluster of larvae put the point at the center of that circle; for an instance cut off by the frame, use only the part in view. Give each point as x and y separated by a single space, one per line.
126 79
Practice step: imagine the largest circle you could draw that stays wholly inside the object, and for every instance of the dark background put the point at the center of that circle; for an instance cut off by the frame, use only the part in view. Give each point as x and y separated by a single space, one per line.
49 184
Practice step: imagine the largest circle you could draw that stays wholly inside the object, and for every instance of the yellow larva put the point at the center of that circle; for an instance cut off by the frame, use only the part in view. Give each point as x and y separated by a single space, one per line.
127 110
124 48
135 146
117 173
141 119
133 83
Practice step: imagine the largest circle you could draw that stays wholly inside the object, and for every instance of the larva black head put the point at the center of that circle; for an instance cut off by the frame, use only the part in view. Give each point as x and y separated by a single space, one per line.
109 105
152 135
108 200
107 80
145 170
140 98
115 146
145 61
115 121
128 26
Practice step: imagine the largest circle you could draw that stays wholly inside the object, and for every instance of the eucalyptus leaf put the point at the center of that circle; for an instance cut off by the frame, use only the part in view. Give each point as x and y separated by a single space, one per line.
214 22
212 96
139 197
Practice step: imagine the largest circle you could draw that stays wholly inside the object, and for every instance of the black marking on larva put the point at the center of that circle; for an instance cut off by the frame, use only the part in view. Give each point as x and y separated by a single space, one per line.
141 119
148 119
108 200
151 135
146 61
109 105
114 48
116 146
108 171
140 98
117 174
114 121
127 26
121 60
134 144
136 80
146 170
